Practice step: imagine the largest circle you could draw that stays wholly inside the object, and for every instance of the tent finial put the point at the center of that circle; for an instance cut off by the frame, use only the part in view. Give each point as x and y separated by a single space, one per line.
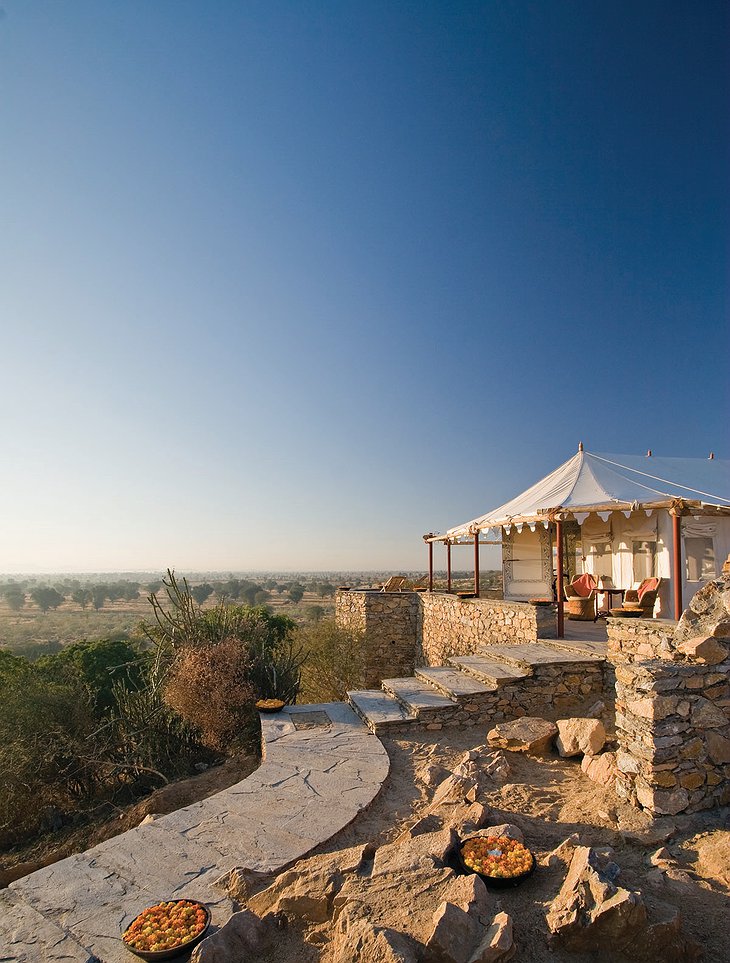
712 455
648 453
580 446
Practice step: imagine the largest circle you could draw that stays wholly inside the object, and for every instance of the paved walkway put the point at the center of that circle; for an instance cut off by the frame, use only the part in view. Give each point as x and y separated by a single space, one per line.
321 767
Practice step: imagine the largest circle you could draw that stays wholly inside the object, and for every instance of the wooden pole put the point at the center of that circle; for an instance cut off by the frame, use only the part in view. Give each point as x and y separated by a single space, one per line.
559 580
430 566
448 566
677 564
476 564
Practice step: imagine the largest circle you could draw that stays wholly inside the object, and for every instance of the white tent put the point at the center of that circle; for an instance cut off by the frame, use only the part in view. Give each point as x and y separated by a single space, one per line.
635 515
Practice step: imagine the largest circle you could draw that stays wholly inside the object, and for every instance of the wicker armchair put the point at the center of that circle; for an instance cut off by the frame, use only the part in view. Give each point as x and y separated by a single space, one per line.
646 593
581 599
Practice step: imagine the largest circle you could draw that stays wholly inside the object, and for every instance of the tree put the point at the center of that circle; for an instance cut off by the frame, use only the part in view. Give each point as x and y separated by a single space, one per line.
98 596
99 665
15 598
131 591
295 593
250 592
46 598
82 597
201 593
335 661
314 613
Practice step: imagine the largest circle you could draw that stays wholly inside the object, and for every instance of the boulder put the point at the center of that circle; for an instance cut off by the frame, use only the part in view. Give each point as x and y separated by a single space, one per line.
562 854
580 737
498 944
244 936
413 854
601 768
528 734
470 894
705 649
308 889
590 912
503 829
454 936
357 938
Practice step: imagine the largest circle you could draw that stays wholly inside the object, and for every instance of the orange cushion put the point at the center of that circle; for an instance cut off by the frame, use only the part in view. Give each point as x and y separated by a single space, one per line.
584 585
648 585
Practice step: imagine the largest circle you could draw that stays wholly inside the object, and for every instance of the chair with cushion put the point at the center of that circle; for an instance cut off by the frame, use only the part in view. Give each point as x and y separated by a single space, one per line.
581 599
646 593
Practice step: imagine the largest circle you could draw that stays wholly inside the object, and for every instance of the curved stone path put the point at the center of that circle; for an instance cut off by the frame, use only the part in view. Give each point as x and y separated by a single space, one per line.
321 767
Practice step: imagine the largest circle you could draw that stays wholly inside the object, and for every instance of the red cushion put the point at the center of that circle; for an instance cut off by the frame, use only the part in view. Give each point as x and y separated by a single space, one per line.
648 585
584 585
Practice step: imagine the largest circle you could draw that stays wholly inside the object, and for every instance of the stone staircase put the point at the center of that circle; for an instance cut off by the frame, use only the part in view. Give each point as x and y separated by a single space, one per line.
496 683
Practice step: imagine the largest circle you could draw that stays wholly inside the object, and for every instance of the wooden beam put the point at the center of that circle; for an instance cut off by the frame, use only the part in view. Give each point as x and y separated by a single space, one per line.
559 580
448 566
476 565
430 566
677 564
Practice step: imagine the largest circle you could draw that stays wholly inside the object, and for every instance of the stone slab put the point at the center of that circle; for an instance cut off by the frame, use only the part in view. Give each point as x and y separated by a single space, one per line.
379 709
490 670
535 654
457 684
580 647
28 937
417 695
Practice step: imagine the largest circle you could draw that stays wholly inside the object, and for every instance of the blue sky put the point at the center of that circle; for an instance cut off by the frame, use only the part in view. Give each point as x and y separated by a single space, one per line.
287 285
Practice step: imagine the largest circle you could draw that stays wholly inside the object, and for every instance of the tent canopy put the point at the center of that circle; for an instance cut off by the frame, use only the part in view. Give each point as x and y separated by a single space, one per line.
590 482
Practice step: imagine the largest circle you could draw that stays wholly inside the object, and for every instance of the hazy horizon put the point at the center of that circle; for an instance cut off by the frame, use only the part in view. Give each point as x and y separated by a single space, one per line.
287 286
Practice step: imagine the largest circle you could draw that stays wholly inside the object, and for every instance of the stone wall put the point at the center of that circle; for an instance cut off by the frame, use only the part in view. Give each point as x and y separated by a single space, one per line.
673 730
389 623
673 712
454 626
635 640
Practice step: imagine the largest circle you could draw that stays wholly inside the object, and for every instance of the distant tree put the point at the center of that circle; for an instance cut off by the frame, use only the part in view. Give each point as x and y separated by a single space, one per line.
261 597
201 592
131 591
295 593
153 587
98 596
46 598
325 589
250 592
15 597
314 613
82 597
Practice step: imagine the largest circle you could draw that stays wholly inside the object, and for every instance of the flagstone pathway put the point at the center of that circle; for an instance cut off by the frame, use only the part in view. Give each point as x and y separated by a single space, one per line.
321 767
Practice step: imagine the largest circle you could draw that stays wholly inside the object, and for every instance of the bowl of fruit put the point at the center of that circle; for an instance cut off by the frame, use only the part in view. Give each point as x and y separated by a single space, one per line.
164 930
270 705
499 860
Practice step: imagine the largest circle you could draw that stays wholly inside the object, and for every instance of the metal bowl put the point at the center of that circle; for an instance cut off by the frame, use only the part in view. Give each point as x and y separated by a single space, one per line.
175 950
498 882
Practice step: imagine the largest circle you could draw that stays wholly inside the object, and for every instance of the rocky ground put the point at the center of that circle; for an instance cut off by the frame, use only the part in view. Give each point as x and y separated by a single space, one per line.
384 890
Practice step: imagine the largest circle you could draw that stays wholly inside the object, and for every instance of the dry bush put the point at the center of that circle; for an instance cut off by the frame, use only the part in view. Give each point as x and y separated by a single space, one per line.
208 687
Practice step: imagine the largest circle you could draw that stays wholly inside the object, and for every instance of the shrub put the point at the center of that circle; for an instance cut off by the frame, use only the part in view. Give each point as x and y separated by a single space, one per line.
335 661
209 688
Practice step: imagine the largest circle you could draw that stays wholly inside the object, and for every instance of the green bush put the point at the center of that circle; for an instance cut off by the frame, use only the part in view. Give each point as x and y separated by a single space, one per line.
335 661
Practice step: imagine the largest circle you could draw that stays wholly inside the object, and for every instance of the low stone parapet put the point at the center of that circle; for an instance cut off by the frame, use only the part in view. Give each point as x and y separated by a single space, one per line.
636 640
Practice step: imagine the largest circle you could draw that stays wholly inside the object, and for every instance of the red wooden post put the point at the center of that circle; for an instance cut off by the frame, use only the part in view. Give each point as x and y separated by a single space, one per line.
476 564
448 566
559 580
677 564
430 566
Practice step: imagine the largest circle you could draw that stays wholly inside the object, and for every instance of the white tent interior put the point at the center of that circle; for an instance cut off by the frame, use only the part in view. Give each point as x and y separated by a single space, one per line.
618 516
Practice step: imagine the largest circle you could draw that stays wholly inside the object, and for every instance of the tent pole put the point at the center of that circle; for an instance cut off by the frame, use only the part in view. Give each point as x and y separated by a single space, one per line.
448 566
476 564
559 581
677 553
430 566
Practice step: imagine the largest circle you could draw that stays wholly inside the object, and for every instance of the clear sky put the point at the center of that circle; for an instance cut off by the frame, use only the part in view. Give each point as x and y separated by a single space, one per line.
285 285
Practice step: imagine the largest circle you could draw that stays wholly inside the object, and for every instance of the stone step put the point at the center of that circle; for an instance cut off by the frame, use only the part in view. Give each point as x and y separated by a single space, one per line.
418 697
456 685
580 647
378 710
534 655
491 671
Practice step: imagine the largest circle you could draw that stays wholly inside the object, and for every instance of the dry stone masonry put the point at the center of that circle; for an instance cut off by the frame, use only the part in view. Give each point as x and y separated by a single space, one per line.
673 713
